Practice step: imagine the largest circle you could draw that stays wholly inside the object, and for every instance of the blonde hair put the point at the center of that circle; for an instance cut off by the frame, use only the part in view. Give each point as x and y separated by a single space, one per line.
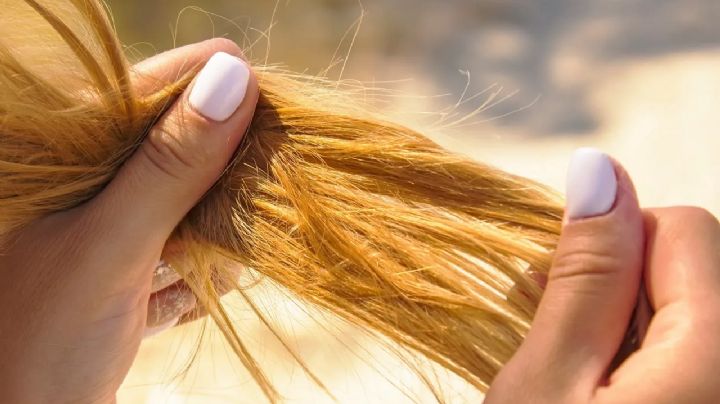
350 213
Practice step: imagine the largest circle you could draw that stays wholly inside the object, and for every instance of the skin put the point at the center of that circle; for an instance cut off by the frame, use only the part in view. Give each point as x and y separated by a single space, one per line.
601 265
80 288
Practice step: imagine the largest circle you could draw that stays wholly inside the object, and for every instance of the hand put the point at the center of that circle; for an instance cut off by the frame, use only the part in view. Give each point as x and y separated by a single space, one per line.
76 284
607 248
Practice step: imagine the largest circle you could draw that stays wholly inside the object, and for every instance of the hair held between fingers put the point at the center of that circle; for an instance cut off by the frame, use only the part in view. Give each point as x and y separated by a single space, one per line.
348 212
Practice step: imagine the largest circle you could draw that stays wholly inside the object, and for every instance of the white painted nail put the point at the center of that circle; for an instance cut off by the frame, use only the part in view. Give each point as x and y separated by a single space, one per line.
150 331
591 184
220 87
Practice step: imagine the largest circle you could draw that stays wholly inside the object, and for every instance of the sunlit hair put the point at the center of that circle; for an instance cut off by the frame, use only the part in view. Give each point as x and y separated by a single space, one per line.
350 213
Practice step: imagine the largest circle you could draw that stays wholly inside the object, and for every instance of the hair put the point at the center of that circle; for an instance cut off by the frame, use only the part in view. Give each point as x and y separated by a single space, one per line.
353 214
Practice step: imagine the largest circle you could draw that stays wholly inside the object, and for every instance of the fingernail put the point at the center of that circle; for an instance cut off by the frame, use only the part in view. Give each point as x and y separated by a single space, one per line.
170 302
163 276
591 184
220 87
150 331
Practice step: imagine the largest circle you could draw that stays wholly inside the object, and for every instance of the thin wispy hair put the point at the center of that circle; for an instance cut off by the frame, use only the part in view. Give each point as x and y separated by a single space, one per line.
347 211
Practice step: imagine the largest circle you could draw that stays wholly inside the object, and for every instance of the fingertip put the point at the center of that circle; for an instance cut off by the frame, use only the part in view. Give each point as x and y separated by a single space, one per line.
169 303
597 185
158 71
157 329
626 186
591 185
220 44
163 276
220 87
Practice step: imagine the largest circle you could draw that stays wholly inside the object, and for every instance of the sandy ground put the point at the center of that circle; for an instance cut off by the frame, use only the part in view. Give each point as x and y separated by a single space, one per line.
649 95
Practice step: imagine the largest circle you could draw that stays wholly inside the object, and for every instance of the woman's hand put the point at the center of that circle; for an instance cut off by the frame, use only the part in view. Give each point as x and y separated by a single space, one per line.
76 285
608 247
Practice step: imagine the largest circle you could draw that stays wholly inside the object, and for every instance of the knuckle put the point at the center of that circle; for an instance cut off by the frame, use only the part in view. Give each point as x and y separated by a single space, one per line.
584 263
173 150
689 218
698 215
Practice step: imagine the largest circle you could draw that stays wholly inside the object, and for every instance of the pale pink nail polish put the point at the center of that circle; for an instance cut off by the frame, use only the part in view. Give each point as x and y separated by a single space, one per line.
220 87
591 184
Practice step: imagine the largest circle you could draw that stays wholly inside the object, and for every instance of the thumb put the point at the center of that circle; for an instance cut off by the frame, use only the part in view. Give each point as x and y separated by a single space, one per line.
594 280
181 158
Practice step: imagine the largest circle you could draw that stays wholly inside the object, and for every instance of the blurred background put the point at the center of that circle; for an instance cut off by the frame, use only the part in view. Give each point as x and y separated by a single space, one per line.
519 84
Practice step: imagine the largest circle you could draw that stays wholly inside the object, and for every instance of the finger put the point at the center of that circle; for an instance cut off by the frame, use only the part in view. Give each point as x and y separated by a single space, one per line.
155 73
163 276
593 283
169 304
196 314
683 259
682 280
151 331
226 282
517 294
181 158
643 312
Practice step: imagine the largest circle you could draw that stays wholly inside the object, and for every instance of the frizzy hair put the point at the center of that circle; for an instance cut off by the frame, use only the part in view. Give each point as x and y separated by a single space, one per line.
348 212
